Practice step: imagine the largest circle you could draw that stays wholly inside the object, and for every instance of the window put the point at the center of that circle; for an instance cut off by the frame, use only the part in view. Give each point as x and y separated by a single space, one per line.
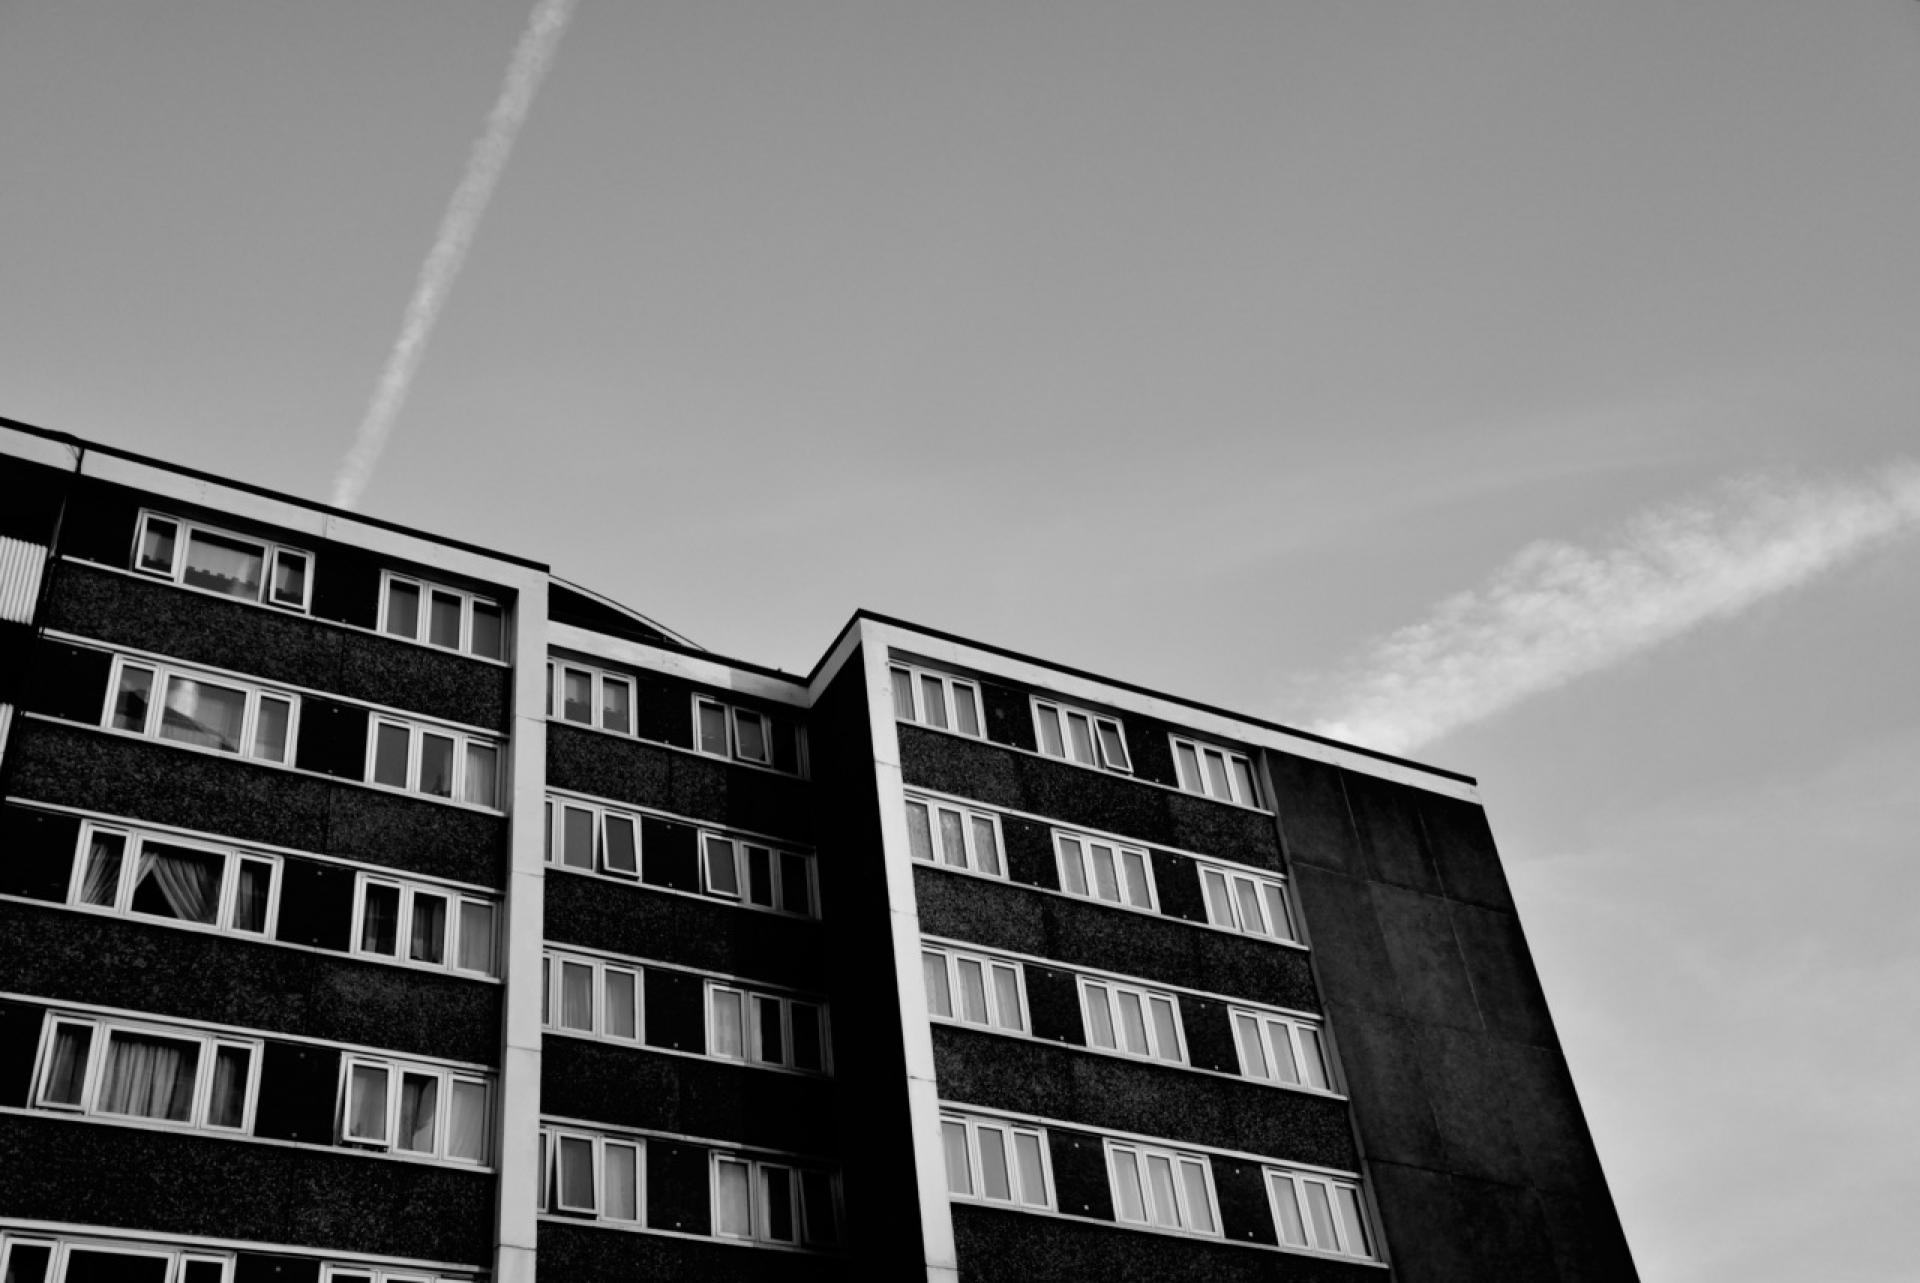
1278 1049
1087 738
1133 1021
1319 1212
111 1068
217 561
435 761
773 1202
752 873
580 836
744 735
368 1274
421 1110
975 989
967 839
132 872
935 699
576 693
1215 772
1242 900
443 617
763 1029
1165 1188
220 713
428 925
584 1174
591 996
996 1162
1099 869
41 1259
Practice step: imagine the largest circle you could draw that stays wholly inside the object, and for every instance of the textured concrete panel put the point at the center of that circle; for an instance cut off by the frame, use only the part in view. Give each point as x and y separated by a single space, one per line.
592 1254
1427 966
698 787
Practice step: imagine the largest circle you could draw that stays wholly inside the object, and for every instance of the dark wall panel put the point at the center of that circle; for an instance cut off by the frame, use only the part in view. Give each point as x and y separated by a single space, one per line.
266 1267
998 1246
36 852
675 1015
1081 1184
1031 858
633 1087
591 1255
1209 1033
35 493
1120 1094
1053 1003
20 1025
1009 716
99 522
679 1184
68 681
599 913
701 788
316 904
299 1088
17 645
669 854
332 738
1246 1213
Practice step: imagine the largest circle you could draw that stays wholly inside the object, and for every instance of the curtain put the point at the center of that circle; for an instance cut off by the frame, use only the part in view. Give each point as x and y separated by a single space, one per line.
733 1212
367 1103
103 869
169 882
68 1072
476 936
149 1077
380 920
419 1111
429 939
250 896
228 1106
467 1122
204 714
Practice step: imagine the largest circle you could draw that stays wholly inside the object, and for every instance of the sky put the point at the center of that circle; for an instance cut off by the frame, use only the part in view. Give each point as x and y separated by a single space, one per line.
1529 385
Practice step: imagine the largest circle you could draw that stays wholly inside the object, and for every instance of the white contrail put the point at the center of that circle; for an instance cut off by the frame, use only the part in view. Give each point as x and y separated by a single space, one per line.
531 58
1557 611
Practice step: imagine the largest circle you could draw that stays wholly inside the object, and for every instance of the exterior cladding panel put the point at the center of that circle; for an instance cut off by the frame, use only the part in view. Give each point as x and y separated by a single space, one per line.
998 776
163 1182
1479 1154
702 788
71 956
996 915
146 780
1112 1092
35 493
592 1255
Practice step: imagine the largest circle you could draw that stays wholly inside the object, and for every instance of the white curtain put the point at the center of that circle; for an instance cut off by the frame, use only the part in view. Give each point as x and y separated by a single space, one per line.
103 869
169 882
149 1077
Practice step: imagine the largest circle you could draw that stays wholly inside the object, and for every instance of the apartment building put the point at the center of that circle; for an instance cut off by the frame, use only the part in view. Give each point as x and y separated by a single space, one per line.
384 909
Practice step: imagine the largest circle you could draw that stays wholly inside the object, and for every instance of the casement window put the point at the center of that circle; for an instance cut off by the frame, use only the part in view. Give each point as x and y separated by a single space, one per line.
1323 1213
367 1274
774 1202
435 761
1131 1020
975 989
120 1069
577 693
958 836
742 734
1165 1188
1091 739
581 836
146 875
1100 869
1281 1049
166 702
218 561
429 925
996 1162
591 996
1242 900
38 1258
756 874
424 1111
937 700
766 1029
590 1175
445 617
1215 772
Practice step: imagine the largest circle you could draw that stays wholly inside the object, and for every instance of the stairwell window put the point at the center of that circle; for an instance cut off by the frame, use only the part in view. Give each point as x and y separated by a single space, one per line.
1091 739
1242 900
420 1110
164 701
1165 1188
1280 1049
774 1202
577 693
1099 869
974 989
145 875
37 1258
449 618
427 925
591 996
996 1162
1132 1021
937 700
1322 1213
434 761
589 1175
963 838
114 1068
766 1029
1215 772
221 562
581 836
756 874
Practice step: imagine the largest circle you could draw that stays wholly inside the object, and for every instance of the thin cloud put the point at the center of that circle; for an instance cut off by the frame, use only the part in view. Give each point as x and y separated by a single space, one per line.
531 57
1557 611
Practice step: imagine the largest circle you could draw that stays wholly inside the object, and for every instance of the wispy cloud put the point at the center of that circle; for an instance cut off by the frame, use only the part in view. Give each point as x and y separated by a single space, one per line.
531 57
1557 610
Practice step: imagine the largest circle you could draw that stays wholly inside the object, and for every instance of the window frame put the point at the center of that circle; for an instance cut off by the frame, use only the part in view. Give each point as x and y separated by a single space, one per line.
1110 998
950 684
973 1125
454 931
940 856
395 1071
423 626
598 680
1304 1060
100 1032
732 715
742 860
337 1272
1262 883
1088 877
1202 785
464 741
553 964
133 839
1096 722
1333 1187
271 555
61 1247
1142 1153
751 1027
161 674
548 1201
953 958
600 815
759 1204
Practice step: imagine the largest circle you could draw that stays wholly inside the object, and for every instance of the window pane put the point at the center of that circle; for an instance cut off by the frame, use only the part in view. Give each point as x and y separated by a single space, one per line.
728 1038
1279 922
1217 785
576 696
808 1052
933 702
796 894
483 775
203 713
1320 1215
130 701
223 565
489 631
1112 746
1080 738
1282 1043
436 764
713 729
1128 1197
1352 1223
290 578
616 705
1219 901
986 851
770 1044
443 619
776 1187
102 882
973 991
1313 1058
1106 880
427 940
939 993
419 1112
380 920
390 754
1073 874
995 1180
1166 1028
467 1122
1033 1175
902 693
1253 1049
27 1262
817 1224
192 1271
67 1067
966 710
1166 1210
177 882
1099 1017
623 852
476 936
732 1202
576 996
1246 791
760 876
751 729
156 545
575 1163
94 1265
1252 920
576 837
403 609
723 878
953 838
367 1103
1006 997
959 1175
1135 864
1286 1203
623 1183
919 832
1050 741
621 993
270 729
1189 764
1133 1022
1193 1178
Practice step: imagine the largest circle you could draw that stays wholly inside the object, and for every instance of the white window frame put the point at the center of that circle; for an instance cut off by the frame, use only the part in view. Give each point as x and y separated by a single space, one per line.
403 925
60 1250
388 1142
733 714
102 1029
161 675
1235 918
1063 714
598 681
921 684
1306 1040
1009 1132
133 840
1355 1237
271 556
549 1197
463 743
991 966
338 1273
1242 786
1109 993
602 818
553 964
1129 888
739 854
1181 1161
752 1026
423 620
940 854
758 1205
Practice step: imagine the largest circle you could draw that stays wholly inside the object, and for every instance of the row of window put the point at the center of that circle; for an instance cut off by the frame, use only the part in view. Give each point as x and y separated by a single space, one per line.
594 697
598 998
605 839
113 1068
993 1160
40 1258
591 1174
1128 1019
250 569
